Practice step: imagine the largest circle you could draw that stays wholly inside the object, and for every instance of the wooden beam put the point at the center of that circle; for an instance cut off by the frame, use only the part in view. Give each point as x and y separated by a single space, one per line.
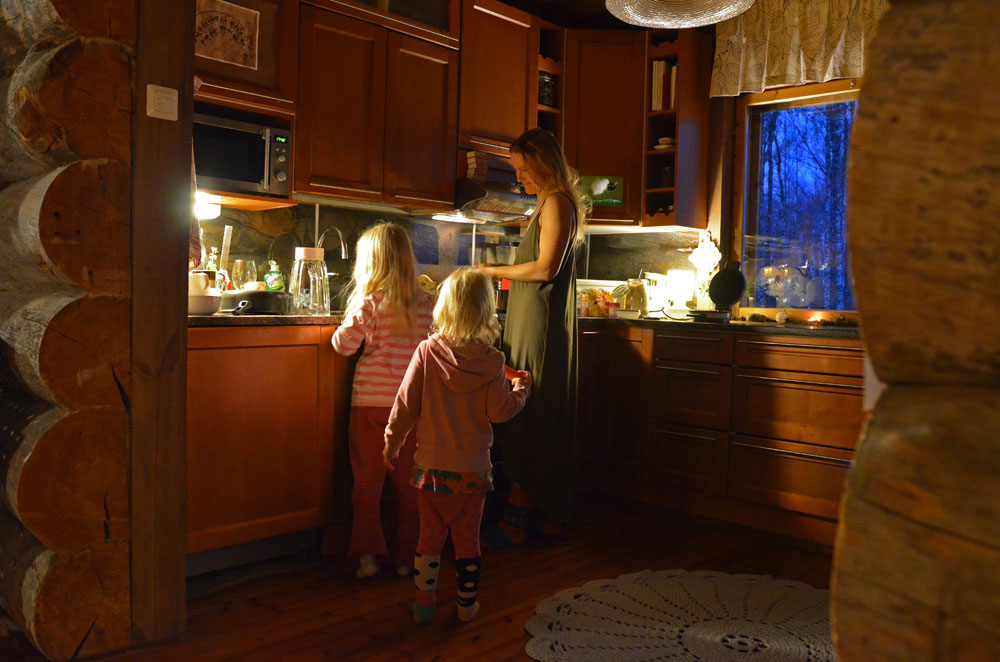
161 211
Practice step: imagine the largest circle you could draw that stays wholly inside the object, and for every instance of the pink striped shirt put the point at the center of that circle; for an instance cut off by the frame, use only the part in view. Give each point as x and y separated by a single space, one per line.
387 351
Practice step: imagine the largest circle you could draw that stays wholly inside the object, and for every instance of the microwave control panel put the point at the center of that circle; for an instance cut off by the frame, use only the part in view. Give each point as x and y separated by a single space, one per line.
280 143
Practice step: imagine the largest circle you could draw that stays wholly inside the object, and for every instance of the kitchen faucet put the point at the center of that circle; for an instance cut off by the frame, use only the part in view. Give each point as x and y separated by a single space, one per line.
343 244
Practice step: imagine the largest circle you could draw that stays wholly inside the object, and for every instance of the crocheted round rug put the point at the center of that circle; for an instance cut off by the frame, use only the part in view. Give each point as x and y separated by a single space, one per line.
683 616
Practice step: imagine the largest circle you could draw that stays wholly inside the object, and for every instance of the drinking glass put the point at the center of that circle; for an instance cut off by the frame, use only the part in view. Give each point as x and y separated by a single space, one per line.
243 272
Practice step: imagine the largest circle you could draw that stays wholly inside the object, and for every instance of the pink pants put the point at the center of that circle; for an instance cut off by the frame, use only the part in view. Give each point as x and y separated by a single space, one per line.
459 512
366 438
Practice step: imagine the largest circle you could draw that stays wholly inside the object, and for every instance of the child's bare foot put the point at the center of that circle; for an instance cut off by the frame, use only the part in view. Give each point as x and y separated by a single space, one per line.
367 566
466 614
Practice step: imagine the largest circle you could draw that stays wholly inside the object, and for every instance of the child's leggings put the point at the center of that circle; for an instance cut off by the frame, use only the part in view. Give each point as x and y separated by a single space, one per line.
366 438
461 513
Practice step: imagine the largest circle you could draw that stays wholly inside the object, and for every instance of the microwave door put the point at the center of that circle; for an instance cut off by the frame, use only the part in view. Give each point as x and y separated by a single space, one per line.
227 158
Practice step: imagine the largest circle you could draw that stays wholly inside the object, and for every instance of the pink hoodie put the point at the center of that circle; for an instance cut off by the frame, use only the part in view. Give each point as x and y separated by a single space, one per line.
451 394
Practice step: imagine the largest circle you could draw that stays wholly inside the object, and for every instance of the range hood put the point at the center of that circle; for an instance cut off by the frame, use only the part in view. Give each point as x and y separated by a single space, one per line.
492 201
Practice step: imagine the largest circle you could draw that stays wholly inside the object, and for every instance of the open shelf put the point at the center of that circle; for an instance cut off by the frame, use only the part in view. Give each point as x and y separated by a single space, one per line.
542 108
551 47
249 202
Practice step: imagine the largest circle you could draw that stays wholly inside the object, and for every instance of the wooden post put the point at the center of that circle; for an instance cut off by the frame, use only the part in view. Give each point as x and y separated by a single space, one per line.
917 557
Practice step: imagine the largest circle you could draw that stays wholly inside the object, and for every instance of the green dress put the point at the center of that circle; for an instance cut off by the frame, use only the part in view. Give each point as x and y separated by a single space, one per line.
538 446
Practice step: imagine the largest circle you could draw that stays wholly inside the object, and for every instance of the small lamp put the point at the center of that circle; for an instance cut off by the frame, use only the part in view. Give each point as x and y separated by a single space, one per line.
680 287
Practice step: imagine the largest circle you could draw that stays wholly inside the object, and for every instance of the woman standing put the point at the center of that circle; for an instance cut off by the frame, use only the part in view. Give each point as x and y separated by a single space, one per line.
539 445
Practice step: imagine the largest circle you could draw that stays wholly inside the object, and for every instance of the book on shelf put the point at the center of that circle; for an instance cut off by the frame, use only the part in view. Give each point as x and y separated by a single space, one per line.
664 85
673 85
656 93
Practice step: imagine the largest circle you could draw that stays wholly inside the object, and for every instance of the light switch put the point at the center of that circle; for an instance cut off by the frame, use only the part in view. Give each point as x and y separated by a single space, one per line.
161 102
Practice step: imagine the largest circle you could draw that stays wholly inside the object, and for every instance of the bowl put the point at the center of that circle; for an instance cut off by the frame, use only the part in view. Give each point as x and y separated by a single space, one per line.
628 313
203 304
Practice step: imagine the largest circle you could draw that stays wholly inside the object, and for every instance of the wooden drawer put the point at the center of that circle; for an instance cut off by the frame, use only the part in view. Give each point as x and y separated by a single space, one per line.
816 409
686 457
701 346
696 394
800 477
826 355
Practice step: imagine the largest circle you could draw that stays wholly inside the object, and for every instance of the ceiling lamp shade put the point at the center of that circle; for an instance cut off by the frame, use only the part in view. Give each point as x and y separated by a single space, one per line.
676 13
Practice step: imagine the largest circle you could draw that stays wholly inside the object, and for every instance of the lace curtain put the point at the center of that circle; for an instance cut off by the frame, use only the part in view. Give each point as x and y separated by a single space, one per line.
791 42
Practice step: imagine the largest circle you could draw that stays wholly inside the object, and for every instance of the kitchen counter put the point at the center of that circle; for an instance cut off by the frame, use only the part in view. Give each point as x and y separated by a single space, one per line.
226 319
768 328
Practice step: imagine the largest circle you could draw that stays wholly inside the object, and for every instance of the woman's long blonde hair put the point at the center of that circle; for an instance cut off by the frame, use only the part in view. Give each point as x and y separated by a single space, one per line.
547 164
465 312
384 262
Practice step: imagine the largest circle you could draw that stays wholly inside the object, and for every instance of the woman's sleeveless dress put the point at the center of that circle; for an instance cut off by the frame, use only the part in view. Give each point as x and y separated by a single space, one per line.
538 446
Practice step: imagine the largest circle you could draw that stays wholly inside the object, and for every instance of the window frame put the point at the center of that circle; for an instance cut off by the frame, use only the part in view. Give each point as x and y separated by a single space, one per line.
800 95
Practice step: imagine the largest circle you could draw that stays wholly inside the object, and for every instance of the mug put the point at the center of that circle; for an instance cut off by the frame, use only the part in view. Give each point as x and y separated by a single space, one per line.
199 282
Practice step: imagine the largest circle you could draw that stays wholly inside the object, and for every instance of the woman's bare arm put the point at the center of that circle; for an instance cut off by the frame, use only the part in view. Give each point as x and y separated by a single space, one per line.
555 228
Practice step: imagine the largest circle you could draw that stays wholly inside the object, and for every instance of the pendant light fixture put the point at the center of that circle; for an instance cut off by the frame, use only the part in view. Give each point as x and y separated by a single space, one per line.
676 13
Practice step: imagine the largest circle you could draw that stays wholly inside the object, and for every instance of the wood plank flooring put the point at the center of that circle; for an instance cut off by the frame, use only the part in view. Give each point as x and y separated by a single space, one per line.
320 612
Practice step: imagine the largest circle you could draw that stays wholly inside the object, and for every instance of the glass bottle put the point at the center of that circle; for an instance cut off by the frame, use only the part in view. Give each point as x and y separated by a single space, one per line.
310 284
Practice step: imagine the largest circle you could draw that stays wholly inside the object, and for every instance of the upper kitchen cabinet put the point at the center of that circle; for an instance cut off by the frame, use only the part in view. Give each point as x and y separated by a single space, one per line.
377 113
603 126
245 53
678 72
499 75
431 20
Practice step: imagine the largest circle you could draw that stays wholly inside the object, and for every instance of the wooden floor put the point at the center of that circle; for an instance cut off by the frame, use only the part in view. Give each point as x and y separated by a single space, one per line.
320 611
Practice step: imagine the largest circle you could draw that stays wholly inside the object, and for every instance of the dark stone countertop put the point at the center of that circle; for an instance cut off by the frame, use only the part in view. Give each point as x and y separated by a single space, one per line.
226 319
768 328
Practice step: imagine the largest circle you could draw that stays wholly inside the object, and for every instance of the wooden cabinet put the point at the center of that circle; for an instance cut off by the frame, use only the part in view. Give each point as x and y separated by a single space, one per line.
377 113
603 127
499 77
690 410
258 69
678 73
431 20
590 409
266 415
551 78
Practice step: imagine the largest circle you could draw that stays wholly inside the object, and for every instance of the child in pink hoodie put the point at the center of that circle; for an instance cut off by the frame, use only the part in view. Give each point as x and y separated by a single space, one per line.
453 388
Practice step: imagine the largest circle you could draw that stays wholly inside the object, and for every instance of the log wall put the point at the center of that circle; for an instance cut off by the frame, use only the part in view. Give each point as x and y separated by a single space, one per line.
917 557
66 97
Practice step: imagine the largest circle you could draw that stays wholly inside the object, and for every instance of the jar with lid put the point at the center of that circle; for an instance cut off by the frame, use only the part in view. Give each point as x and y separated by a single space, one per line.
635 296
309 285
546 89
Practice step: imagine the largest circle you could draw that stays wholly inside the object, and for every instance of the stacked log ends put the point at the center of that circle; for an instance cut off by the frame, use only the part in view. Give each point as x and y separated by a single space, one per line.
67 227
71 605
917 566
72 351
917 558
67 480
66 102
923 231
27 22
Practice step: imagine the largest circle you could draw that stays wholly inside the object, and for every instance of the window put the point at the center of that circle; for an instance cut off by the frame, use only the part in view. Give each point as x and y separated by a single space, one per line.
794 230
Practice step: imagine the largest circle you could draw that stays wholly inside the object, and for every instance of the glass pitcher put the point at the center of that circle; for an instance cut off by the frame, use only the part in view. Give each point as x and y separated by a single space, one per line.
310 284
635 296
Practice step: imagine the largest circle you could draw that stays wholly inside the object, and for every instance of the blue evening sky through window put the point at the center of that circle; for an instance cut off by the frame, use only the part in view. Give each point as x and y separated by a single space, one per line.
795 255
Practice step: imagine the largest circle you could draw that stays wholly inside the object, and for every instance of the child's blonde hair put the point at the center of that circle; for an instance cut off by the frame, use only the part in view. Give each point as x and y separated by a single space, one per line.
465 312
384 262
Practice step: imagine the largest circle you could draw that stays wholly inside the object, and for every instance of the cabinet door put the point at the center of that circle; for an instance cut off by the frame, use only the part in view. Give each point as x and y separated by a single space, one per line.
263 77
340 124
420 123
625 404
260 433
499 75
590 408
679 456
695 394
800 477
798 406
604 123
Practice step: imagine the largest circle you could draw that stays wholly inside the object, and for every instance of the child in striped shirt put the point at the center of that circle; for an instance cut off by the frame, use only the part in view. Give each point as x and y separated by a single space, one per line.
388 312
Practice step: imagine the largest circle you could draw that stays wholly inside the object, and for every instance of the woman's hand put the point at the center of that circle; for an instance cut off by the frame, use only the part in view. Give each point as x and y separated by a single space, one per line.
490 269
389 457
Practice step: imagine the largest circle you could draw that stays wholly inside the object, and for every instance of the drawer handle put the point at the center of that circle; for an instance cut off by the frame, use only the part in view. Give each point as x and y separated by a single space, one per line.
698 372
800 345
663 335
684 434
801 381
810 456
590 333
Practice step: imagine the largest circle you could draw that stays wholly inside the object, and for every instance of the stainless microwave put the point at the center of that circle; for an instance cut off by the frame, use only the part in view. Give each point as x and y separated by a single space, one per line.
240 157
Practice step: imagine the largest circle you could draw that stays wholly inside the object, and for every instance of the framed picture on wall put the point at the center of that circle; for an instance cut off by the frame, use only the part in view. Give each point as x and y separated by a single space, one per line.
226 32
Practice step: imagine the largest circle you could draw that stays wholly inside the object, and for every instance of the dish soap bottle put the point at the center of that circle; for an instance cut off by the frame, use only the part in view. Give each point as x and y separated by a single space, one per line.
274 280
